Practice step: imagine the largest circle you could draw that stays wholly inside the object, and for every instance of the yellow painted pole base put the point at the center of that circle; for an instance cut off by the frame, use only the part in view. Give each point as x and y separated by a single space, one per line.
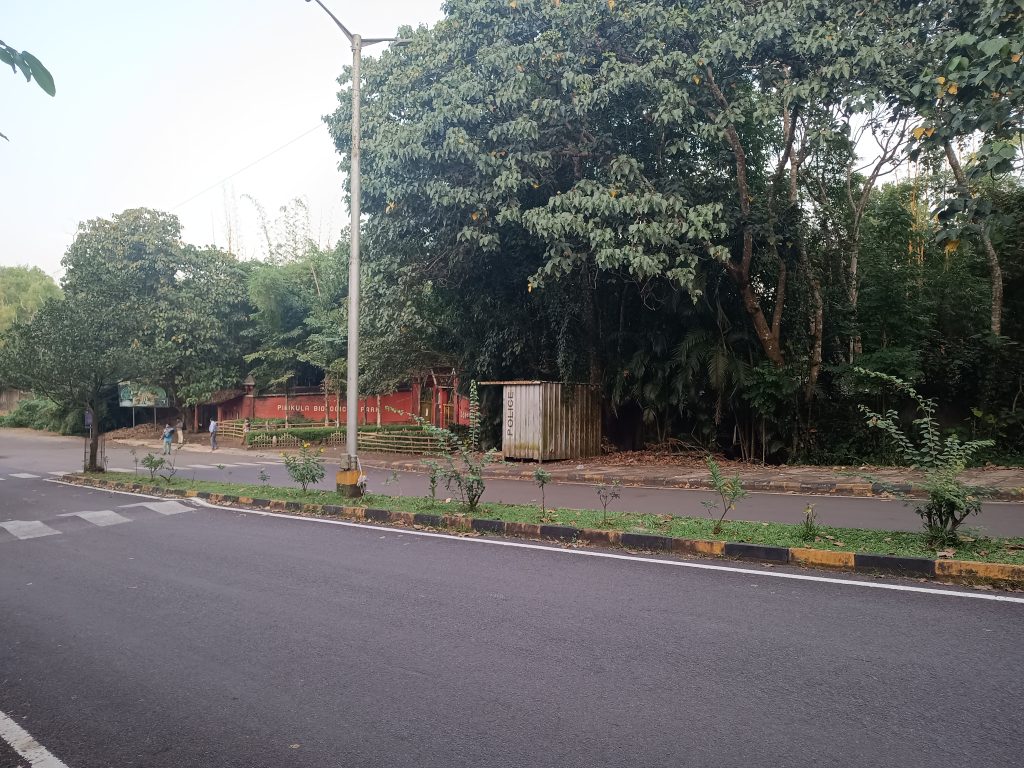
347 482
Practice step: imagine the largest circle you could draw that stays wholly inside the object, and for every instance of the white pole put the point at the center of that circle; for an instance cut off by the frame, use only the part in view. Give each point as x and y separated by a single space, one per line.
353 269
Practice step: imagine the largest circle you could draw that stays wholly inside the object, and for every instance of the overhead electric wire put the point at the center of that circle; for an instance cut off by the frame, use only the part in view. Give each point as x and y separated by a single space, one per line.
247 167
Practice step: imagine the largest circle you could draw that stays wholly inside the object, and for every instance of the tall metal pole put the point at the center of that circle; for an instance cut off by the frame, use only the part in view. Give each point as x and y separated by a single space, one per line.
352 395
348 481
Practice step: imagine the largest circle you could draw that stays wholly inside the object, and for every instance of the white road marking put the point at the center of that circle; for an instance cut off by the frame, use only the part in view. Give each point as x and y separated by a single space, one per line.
607 555
244 464
163 507
24 475
28 529
26 746
200 466
58 474
100 517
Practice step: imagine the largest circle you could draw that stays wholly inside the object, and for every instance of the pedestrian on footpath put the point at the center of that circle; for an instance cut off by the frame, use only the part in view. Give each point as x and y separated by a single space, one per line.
246 426
168 434
213 434
179 427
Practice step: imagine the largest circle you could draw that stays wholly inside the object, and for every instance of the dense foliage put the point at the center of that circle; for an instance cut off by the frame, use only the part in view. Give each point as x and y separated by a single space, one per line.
715 211
686 203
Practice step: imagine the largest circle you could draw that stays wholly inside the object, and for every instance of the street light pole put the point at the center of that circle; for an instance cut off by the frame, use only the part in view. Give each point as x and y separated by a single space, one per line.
352 392
348 480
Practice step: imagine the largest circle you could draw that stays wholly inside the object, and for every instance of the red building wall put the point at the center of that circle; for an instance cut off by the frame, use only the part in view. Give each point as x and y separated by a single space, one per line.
314 409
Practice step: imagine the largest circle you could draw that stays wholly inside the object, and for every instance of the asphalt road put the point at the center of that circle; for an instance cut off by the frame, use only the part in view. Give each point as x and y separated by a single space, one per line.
140 632
54 454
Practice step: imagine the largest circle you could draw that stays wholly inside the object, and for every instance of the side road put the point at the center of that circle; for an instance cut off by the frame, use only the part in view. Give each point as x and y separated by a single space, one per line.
1001 483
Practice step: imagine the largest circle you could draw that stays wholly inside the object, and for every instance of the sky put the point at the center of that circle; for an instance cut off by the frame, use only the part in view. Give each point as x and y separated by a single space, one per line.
176 106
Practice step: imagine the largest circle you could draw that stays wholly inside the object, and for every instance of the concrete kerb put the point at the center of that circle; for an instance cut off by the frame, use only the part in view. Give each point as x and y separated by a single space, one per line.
960 571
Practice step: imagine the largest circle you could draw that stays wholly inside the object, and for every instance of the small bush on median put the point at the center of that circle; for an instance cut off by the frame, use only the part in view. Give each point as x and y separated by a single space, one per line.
541 478
154 464
809 528
464 474
950 501
606 494
729 490
306 467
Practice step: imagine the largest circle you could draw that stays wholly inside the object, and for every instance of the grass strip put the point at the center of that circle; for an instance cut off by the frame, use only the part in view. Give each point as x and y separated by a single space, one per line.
900 543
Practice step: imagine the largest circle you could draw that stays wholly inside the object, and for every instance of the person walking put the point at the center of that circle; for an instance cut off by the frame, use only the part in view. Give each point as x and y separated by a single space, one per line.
213 434
179 427
246 426
168 434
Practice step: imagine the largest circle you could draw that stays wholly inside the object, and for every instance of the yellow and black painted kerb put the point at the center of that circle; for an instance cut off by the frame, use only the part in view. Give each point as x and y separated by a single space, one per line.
957 570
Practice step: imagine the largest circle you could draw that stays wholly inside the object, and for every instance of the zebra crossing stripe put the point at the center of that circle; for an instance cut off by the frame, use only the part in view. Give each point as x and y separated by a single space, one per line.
163 507
25 475
28 529
100 517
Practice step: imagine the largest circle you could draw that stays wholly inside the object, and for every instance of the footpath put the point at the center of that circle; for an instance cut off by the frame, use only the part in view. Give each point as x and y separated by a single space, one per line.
689 471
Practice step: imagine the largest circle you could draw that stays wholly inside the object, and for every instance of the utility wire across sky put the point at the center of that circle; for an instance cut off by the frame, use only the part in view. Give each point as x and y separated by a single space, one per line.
247 167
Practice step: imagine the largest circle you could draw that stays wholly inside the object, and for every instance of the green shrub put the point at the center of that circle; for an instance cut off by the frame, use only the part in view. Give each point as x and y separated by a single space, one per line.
154 464
729 490
463 468
949 501
41 413
542 477
606 494
306 467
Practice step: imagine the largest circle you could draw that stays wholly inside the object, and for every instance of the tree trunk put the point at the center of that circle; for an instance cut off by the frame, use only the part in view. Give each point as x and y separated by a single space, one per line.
94 449
595 371
856 345
996 271
817 335
740 272
994 268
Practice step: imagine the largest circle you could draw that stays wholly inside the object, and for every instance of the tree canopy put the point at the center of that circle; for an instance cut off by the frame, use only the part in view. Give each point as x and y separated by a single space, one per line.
719 213
22 292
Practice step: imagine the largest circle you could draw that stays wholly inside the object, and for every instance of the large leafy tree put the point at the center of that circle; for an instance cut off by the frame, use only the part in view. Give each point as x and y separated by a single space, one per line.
183 309
73 354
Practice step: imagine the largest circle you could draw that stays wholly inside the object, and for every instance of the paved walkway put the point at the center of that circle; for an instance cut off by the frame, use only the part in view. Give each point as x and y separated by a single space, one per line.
1002 483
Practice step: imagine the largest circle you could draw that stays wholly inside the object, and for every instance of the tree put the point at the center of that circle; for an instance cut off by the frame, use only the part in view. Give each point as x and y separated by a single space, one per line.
969 81
73 354
183 308
23 290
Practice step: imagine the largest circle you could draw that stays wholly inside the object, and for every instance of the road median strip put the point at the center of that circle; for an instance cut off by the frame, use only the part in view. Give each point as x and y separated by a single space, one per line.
964 571
842 485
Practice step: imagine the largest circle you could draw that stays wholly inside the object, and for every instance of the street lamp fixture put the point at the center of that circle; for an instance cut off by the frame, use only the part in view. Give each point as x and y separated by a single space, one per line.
348 480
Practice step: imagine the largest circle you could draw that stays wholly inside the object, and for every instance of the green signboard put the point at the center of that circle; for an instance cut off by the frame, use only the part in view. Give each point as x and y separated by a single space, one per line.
135 395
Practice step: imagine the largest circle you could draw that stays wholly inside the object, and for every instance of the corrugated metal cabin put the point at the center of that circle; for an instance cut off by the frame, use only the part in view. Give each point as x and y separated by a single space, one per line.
549 421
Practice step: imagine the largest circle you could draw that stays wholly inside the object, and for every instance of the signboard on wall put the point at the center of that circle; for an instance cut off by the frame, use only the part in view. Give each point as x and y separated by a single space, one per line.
131 394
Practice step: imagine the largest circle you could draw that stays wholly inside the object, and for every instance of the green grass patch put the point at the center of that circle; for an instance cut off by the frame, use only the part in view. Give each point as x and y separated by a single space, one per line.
900 543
